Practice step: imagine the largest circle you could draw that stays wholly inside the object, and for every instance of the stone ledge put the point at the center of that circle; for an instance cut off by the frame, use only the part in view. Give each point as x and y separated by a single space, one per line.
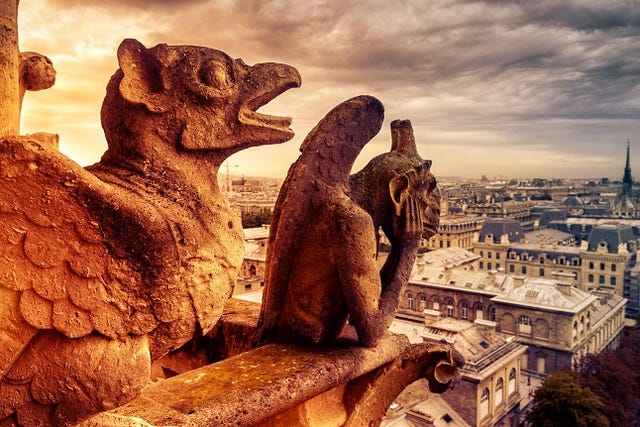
343 384
256 385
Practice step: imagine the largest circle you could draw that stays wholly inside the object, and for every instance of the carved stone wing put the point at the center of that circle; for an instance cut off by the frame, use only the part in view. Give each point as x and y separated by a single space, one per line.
323 168
56 271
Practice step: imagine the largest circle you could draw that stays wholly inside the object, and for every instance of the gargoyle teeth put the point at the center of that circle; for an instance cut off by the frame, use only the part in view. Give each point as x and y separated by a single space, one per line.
255 118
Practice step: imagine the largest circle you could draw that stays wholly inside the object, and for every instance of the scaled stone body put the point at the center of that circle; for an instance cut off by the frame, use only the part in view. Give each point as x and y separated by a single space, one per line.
104 269
321 259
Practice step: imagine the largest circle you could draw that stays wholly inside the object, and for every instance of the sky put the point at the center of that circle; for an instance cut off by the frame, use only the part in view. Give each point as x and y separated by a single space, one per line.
508 89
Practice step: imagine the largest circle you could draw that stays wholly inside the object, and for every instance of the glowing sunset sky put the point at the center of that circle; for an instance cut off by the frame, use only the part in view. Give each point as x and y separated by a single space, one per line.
502 88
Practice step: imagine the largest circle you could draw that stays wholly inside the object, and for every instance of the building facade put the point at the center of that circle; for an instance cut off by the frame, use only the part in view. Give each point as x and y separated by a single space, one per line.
558 321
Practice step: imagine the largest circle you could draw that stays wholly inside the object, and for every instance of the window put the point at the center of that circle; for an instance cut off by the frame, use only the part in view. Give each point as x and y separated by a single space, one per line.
512 382
524 269
489 266
449 308
492 314
512 268
541 365
436 304
489 255
497 266
590 265
524 325
253 270
590 278
602 266
497 255
423 302
481 253
247 287
479 311
499 392
541 272
613 281
484 403
481 264
601 280
464 311
613 267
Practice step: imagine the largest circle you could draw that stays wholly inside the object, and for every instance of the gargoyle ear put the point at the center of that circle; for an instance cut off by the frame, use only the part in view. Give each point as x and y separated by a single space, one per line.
142 81
399 190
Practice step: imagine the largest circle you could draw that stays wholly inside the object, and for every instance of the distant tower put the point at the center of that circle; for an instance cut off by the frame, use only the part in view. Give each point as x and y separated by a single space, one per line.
627 180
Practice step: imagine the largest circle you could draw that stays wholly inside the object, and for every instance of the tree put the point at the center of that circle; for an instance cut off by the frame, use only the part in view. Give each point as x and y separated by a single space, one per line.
561 402
257 219
614 382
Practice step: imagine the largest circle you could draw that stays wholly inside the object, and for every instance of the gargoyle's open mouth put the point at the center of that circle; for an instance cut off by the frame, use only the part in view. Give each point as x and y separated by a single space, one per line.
267 82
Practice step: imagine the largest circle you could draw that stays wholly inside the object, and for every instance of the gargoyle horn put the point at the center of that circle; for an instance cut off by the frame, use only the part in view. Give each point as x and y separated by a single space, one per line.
141 83
402 138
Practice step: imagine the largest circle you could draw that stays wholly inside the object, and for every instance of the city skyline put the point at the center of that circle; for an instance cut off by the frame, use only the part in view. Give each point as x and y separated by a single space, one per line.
496 88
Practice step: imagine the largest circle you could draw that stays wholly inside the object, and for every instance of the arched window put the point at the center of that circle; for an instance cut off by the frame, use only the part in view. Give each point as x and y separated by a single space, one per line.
423 302
512 382
508 324
479 309
449 307
499 392
435 303
252 270
409 300
484 403
464 311
542 329
524 325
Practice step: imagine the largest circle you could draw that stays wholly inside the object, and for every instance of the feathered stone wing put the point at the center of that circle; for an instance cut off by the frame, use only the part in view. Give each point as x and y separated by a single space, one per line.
56 270
322 170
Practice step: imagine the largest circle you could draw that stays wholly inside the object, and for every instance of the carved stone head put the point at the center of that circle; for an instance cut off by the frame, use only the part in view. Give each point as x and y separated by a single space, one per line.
197 97
392 179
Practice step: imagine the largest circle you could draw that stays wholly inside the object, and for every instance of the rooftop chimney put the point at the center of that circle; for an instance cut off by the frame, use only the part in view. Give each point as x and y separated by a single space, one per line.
518 281
430 316
564 287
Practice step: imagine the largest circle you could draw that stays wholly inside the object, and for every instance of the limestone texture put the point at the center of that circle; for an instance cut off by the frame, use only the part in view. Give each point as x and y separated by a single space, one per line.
321 257
106 268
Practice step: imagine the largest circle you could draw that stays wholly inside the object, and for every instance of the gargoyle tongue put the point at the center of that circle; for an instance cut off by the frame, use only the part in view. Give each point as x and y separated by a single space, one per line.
264 82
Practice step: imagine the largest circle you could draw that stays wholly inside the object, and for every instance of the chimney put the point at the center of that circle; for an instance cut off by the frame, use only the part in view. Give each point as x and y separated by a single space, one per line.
518 281
564 287
430 316
487 327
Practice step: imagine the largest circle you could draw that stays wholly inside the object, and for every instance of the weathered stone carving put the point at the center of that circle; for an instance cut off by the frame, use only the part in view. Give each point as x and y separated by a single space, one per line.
107 268
36 73
20 71
321 258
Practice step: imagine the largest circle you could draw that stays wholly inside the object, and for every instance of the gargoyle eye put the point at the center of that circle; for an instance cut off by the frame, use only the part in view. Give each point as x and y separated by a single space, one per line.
214 75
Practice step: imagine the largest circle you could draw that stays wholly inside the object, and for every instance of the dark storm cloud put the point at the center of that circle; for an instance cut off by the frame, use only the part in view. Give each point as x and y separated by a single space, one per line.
583 16
555 76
